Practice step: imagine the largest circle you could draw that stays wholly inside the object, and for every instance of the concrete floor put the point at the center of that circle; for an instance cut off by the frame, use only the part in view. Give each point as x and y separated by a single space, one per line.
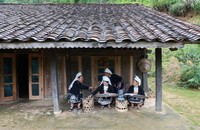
38 115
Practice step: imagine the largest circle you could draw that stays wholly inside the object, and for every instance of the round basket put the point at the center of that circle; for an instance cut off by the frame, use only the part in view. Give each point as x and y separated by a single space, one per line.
121 105
144 65
88 105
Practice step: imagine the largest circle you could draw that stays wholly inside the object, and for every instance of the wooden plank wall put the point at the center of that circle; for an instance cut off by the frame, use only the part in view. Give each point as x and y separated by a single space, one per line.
125 72
72 68
68 66
86 70
61 73
47 74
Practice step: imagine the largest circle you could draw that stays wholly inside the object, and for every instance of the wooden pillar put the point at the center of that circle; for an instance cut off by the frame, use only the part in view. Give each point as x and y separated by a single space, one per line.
54 83
158 56
144 75
144 82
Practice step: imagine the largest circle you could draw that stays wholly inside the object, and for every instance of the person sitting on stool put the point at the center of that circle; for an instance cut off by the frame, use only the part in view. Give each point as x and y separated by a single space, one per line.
136 89
75 95
103 88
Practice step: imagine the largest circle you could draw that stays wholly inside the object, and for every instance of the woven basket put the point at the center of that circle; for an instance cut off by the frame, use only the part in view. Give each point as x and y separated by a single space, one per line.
88 105
121 105
144 65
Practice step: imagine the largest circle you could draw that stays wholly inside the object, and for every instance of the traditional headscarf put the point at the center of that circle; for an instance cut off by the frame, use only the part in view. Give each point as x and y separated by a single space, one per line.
75 79
136 78
107 71
105 78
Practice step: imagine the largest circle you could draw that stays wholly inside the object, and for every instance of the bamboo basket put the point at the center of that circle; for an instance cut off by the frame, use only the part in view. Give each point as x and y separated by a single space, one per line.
88 105
121 105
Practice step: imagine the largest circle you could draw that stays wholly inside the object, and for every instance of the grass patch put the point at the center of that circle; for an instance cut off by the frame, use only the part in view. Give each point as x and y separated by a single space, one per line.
195 20
185 101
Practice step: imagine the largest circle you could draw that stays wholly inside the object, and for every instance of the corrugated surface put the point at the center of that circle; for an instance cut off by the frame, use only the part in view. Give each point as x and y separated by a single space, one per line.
92 22
36 45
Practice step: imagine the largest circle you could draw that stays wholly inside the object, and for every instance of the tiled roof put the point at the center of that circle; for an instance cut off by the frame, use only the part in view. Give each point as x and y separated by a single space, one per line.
92 22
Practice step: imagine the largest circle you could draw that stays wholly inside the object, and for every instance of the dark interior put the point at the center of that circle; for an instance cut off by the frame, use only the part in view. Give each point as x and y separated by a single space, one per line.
22 75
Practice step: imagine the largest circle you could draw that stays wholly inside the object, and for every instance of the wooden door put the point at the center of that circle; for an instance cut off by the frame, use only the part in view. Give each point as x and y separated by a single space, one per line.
35 76
100 64
7 77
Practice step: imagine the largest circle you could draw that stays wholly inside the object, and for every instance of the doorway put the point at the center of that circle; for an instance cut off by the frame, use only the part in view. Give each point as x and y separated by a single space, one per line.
100 63
22 76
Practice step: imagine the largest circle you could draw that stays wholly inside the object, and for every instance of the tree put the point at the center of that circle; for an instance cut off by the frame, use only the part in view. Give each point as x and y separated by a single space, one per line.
189 58
2 1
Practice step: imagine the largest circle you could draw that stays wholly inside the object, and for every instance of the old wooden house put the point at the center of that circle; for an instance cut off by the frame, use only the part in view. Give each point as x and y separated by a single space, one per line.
42 47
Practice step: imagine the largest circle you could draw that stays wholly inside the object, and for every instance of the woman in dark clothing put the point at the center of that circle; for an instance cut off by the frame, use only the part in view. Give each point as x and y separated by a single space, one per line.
136 89
103 88
75 95
116 80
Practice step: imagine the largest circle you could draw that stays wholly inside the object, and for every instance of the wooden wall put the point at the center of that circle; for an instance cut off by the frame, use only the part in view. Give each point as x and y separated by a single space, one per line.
47 74
68 66
125 71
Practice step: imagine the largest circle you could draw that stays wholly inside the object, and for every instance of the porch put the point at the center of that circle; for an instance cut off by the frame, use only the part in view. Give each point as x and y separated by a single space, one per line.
26 114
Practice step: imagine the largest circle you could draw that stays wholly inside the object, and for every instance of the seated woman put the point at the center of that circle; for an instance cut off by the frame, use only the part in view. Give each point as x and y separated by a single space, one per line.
136 89
75 95
116 80
103 88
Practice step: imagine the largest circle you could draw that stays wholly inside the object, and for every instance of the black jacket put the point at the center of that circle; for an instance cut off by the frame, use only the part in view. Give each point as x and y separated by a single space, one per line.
77 87
101 91
140 90
115 79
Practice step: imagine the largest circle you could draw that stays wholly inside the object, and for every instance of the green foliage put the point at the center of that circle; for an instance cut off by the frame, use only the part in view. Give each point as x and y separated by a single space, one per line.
163 5
178 9
2 1
196 7
181 67
189 59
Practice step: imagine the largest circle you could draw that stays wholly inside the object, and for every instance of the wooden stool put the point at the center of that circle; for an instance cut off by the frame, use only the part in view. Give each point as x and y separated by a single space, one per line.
88 105
121 105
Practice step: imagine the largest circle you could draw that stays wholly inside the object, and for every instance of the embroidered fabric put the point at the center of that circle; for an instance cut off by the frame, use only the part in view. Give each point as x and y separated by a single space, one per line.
105 100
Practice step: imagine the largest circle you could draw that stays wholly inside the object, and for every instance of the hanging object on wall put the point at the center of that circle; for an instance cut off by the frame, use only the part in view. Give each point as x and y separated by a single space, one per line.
144 65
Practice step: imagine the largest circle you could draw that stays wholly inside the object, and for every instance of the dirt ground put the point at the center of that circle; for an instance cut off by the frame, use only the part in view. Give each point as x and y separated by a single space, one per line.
38 115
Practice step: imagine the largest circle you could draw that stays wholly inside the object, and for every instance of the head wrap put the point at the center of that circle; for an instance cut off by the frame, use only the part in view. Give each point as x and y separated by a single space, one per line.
136 78
75 79
105 78
107 71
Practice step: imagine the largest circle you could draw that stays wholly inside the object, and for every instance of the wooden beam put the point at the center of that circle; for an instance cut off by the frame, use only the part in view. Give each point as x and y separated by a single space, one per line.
118 65
93 71
54 83
144 82
103 52
131 70
158 56
80 63
144 75
64 76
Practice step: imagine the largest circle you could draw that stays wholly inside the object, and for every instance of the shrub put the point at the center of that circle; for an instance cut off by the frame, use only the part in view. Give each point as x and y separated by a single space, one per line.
190 77
196 7
163 5
189 59
178 9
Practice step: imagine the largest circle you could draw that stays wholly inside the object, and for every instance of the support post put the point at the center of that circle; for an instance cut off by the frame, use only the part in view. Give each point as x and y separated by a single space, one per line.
145 82
145 76
54 83
158 56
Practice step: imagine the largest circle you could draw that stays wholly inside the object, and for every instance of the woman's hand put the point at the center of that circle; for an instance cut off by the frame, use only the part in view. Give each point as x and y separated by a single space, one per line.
90 88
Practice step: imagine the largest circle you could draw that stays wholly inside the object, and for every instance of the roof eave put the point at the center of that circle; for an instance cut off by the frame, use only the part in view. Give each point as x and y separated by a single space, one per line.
44 45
